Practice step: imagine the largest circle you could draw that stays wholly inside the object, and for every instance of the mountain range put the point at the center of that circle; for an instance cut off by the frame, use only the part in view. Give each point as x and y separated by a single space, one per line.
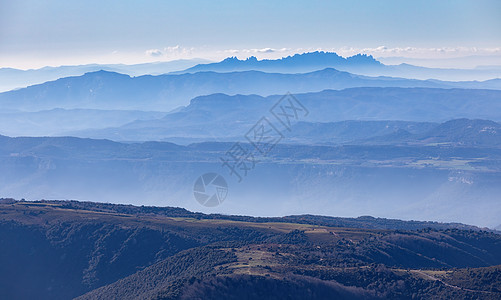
209 117
398 152
11 78
299 63
112 91
359 64
439 175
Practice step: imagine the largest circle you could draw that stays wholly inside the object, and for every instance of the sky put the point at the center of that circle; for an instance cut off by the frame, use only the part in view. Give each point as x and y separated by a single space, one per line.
36 33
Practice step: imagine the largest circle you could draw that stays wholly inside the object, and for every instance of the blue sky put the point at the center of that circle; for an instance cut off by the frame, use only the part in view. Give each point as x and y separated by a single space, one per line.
34 33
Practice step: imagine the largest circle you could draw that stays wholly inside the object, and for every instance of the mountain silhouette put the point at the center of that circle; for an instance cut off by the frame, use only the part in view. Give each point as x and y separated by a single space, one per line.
111 91
305 62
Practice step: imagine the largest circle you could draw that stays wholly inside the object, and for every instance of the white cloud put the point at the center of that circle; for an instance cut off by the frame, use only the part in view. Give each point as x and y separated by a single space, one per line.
257 51
416 52
171 52
263 50
172 49
179 51
260 53
154 52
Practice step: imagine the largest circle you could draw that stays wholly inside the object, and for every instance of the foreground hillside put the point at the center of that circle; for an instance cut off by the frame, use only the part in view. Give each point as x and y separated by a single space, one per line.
65 249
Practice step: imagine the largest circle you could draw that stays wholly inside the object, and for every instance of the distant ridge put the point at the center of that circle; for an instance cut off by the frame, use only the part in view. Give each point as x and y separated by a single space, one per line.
111 90
305 62
361 64
365 222
11 78
388 105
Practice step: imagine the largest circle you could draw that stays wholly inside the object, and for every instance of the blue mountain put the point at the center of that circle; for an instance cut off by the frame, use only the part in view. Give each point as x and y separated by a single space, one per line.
222 117
306 62
111 91
11 78
361 64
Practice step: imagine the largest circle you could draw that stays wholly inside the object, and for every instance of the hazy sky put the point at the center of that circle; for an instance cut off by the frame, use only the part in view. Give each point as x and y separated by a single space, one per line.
34 33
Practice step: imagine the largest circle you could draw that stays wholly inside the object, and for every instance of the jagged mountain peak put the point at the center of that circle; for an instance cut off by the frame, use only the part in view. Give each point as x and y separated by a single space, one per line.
308 61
